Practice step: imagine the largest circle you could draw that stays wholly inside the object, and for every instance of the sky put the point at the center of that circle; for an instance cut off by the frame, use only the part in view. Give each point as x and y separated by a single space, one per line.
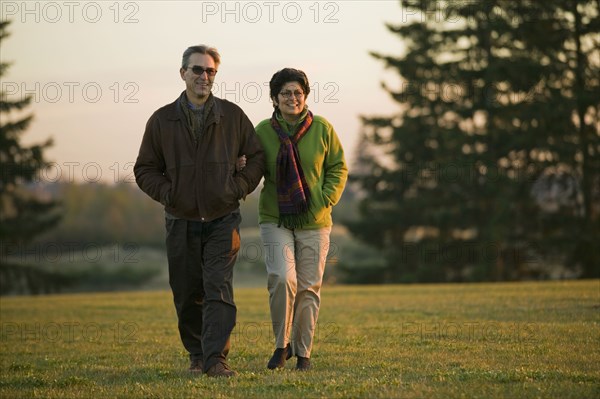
97 70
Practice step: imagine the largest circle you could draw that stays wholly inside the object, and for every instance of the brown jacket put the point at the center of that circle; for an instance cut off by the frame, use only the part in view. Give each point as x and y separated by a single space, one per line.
198 181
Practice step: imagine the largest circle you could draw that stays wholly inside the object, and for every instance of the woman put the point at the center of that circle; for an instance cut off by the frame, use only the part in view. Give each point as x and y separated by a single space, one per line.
304 178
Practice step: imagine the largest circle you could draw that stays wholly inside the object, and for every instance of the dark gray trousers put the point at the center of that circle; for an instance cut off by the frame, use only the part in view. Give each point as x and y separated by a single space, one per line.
201 257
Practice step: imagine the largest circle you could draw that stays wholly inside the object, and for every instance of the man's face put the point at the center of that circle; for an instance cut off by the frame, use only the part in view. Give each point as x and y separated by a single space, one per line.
198 87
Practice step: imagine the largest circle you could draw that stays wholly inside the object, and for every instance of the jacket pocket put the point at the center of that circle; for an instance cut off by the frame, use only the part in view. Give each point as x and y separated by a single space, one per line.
317 205
220 190
181 196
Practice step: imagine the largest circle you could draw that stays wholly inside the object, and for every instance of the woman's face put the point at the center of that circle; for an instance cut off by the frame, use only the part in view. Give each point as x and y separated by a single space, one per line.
291 100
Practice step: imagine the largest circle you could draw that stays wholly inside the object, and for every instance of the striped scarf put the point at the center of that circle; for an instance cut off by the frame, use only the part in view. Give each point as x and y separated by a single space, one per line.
293 194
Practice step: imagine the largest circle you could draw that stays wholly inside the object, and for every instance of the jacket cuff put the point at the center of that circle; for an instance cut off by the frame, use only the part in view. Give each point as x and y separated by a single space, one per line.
242 187
165 198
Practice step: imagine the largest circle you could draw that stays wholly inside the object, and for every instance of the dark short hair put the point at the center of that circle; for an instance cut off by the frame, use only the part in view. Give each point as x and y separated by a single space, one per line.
202 49
286 75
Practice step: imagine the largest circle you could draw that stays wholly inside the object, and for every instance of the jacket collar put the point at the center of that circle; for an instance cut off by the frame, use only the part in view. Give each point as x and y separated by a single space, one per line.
176 113
288 127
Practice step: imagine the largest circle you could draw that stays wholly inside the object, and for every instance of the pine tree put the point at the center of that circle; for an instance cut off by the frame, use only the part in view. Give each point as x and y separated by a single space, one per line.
23 214
570 186
481 120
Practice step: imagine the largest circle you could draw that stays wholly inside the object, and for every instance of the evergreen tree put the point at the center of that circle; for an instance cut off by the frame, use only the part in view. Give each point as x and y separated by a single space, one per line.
23 214
491 94
567 45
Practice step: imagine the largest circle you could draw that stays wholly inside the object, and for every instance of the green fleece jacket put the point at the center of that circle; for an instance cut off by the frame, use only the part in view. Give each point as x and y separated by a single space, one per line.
323 163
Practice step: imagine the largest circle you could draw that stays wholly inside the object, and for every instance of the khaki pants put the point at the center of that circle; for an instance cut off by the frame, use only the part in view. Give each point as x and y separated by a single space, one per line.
295 262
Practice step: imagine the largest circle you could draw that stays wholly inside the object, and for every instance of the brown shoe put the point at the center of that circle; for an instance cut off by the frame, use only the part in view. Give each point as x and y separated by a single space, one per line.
196 366
220 369
303 364
279 357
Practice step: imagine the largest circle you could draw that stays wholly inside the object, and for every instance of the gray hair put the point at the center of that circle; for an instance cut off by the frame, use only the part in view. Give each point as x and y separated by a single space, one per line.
202 49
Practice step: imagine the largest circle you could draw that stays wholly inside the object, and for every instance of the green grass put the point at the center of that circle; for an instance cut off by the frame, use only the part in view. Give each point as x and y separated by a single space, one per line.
525 340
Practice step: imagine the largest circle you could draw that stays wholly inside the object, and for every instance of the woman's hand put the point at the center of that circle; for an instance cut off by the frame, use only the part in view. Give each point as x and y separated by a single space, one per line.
240 164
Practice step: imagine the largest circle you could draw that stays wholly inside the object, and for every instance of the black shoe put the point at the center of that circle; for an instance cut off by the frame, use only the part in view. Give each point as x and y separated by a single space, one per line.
279 357
303 364
220 369
196 366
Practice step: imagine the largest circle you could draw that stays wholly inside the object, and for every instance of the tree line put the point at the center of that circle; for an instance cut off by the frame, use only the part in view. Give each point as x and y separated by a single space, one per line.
496 142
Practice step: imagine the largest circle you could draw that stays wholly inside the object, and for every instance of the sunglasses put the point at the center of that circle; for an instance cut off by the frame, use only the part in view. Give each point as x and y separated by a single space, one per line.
198 70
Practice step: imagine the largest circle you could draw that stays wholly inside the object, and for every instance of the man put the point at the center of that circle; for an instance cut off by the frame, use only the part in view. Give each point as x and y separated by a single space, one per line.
187 162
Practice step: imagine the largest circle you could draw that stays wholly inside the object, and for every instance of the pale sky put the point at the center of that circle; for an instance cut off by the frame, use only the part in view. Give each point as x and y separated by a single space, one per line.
98 70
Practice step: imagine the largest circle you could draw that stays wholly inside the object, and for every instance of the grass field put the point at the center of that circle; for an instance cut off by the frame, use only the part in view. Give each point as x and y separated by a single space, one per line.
514 340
